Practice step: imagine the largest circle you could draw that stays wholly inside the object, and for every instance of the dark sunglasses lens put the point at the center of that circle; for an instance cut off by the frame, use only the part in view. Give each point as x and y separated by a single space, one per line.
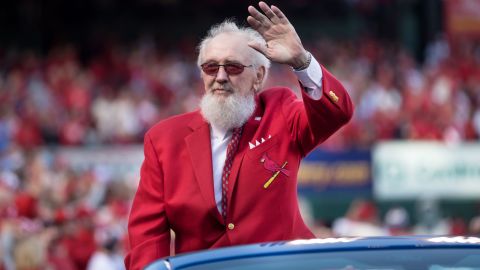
210 69
234 69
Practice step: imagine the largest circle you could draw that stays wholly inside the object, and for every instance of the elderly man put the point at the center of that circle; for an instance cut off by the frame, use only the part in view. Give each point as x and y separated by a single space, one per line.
227 174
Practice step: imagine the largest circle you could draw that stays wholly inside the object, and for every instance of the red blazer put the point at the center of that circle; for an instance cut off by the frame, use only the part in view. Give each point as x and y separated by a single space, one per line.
176 187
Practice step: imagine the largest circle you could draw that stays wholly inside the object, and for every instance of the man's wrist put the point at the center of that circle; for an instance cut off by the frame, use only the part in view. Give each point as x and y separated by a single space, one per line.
304 64
311 79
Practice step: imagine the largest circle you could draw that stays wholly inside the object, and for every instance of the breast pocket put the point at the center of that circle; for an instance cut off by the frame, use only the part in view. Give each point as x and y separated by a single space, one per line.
260 149
267 169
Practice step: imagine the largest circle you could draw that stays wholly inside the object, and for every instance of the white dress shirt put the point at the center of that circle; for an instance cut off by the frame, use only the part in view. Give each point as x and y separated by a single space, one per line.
311 79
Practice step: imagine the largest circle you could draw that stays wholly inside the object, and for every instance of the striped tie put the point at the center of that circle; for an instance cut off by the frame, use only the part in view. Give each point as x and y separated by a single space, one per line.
231 150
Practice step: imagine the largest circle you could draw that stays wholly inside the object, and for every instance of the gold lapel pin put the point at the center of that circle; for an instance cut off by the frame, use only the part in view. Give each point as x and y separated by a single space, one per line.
274 175
333 96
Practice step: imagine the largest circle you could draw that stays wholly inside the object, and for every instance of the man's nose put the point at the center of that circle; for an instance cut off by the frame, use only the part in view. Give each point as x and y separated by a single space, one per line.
222 76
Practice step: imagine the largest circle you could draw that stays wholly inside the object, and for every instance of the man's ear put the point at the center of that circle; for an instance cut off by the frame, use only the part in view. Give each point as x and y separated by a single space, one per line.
260 75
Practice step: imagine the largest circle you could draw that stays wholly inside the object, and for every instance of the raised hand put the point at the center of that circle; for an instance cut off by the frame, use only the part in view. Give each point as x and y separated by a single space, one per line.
282 42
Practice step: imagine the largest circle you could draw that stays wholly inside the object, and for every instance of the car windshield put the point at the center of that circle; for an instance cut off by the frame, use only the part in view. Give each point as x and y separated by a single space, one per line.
400 259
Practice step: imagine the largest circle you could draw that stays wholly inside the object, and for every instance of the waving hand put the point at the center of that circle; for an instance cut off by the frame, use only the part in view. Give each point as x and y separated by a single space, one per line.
282 42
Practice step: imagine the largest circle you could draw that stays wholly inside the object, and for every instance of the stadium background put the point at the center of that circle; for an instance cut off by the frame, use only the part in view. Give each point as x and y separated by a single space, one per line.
81 81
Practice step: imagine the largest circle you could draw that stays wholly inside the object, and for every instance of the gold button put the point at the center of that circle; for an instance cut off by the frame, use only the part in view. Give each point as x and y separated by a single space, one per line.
231 226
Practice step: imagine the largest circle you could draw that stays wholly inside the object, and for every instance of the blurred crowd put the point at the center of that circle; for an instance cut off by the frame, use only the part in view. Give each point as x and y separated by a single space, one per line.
116 93
53 216
363 218
398 98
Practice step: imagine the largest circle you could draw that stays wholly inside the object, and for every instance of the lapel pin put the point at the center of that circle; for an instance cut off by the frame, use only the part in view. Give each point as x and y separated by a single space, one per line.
333 96
272 166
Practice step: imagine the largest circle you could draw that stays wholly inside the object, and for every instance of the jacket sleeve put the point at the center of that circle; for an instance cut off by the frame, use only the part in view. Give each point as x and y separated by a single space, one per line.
148 228
312 121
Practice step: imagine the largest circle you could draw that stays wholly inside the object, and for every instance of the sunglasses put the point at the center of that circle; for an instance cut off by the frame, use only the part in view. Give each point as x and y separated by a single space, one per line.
230 68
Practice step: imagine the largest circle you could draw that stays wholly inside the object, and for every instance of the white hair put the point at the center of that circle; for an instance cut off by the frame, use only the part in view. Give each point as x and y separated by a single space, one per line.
229 26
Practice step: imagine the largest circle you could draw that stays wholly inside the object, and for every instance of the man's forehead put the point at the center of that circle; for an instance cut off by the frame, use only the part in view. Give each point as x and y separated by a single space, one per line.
227 46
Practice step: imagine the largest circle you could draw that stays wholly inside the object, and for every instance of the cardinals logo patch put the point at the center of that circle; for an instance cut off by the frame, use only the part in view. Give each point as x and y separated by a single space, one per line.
272 166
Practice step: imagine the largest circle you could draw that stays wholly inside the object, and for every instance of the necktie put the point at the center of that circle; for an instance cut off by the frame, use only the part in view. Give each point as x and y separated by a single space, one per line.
231 150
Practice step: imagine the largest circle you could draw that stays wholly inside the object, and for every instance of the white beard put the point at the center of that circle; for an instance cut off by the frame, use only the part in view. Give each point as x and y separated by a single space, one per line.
227 113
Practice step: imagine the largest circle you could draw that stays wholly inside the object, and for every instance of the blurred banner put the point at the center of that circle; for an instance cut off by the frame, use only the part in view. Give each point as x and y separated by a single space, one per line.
462 18
409 170
327 171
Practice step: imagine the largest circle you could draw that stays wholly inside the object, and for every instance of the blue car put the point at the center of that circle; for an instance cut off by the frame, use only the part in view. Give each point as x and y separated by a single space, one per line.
362 253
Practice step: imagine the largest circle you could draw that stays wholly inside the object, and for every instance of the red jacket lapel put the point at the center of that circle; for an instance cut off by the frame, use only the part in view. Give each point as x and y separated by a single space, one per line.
199 146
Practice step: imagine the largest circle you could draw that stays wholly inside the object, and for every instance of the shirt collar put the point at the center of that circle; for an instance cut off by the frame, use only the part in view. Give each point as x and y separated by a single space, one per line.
218 133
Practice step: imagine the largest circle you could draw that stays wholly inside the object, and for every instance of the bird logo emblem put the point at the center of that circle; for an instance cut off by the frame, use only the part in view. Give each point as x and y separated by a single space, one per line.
272 166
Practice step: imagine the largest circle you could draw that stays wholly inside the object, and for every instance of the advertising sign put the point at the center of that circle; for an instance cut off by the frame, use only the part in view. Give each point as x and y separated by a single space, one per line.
323 171
409 170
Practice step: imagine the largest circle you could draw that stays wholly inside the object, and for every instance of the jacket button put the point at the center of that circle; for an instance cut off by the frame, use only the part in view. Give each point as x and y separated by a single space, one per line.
231 226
